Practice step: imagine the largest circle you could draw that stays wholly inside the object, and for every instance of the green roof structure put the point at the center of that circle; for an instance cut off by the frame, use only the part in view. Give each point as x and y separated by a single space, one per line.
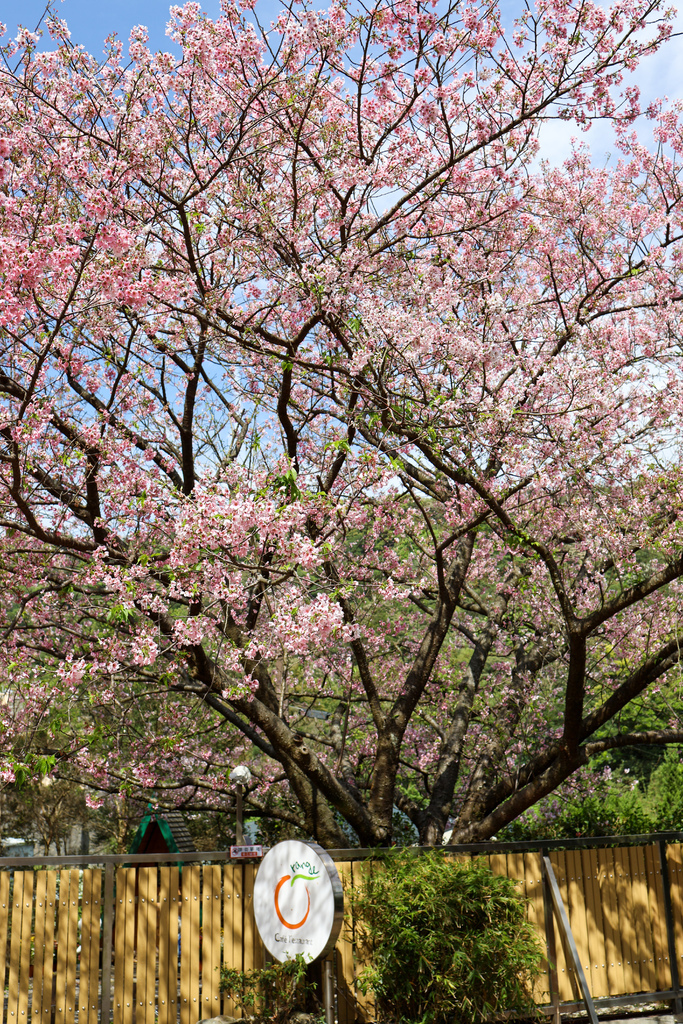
162 832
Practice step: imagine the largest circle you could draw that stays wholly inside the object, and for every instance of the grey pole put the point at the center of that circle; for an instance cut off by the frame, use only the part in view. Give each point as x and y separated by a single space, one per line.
239 834
328 989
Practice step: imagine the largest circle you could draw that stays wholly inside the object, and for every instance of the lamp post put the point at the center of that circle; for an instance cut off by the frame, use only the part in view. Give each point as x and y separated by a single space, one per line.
239 776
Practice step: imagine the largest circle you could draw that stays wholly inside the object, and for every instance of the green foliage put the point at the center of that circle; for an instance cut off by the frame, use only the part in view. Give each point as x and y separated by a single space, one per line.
444 941
272 993
621 806
34 766
614 814
665 792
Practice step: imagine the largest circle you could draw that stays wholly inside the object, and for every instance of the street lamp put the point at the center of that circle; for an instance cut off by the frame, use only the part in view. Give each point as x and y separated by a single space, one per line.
239 776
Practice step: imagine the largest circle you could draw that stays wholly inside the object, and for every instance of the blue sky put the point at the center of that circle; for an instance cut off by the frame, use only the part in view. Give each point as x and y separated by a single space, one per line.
90 21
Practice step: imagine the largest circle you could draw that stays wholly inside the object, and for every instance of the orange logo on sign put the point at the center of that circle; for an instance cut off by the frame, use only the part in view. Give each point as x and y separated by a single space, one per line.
285 878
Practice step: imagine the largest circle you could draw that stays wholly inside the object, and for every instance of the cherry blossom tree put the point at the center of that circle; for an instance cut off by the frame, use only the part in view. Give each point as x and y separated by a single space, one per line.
338 432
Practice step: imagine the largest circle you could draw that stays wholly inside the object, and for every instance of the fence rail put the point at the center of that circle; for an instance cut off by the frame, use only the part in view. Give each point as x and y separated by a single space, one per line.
103 939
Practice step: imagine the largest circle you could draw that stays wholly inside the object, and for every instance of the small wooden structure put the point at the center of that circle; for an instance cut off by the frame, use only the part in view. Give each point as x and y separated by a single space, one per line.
162 832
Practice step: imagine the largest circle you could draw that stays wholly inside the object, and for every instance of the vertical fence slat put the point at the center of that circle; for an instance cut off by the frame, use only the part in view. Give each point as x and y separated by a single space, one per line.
660 947
195 942
249 925
86 926
173 942
39 946
365 1003
107 945
119 948
130 946
70 1009
232 927
498 863
25 965
4 922
49 980
211 942
189 945
346 993
597 978
146 958
125 946
576 907
254 950
141 952
152 925
622 875
185 987
611 922
670 926
15 949
96 944
674 856
567 982
86 934
641 917
168 945
533 889
164 999
62 904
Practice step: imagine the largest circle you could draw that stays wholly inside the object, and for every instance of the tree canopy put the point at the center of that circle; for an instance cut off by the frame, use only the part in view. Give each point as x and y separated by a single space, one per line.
338 432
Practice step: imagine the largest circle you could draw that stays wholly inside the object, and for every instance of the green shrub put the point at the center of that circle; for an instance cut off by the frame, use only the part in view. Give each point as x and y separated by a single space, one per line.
611 814
665 792
444 941
271 993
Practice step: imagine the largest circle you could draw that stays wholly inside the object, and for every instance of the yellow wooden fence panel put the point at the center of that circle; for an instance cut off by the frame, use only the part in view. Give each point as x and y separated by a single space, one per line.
533 890
168 944
346 979
598 979
63 904
189 943
146 946
88 988
674 856
14 948
211 941
20 948
658 918
124 946
232 929
253 957
566 982
614 899
610 918
4 931
625 913
365 1003
643 951
39 945
44 984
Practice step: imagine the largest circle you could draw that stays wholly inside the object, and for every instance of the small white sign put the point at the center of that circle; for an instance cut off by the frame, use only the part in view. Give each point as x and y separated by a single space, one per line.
245 852
298 901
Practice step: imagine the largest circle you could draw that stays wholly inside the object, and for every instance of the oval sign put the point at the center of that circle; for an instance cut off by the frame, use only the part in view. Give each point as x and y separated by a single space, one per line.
298 900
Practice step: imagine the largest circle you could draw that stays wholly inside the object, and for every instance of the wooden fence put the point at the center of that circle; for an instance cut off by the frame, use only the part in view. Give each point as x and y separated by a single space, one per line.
144 945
